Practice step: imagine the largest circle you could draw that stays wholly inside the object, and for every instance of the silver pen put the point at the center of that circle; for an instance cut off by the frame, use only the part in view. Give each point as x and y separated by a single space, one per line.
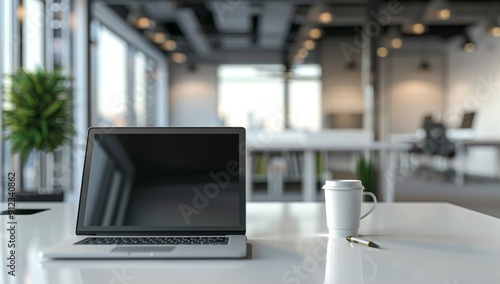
362 242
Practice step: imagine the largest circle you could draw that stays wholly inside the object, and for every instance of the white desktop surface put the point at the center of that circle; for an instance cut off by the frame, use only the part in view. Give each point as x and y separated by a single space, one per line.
420 243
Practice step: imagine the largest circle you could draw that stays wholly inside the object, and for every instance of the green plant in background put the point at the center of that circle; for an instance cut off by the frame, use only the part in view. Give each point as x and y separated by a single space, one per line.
37 111
364 172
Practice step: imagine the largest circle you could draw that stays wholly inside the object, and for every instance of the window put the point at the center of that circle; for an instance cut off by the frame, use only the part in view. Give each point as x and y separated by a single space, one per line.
253 96
152 91
305 98
126 85
140 89
33 14
6 31
111 68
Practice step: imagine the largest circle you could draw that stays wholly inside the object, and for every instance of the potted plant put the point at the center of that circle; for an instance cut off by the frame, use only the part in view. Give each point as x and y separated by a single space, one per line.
37 111
364 172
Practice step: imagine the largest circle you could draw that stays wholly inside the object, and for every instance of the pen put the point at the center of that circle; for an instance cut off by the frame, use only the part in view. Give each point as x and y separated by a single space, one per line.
362 242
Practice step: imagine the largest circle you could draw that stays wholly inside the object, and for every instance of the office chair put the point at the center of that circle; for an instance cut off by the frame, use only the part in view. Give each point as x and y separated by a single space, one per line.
437 144
418 147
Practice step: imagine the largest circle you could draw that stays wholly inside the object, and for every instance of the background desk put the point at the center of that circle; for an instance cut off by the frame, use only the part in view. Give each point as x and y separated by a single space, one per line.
421 243
309 181
464 140
463 145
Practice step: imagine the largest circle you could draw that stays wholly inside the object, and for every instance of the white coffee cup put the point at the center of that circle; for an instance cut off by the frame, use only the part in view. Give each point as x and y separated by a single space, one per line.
343 206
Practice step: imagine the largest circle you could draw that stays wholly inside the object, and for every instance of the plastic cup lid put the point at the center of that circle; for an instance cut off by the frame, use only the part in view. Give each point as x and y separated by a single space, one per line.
343 184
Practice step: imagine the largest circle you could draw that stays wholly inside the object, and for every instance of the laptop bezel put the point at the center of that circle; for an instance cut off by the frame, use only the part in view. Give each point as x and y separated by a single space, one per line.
239 229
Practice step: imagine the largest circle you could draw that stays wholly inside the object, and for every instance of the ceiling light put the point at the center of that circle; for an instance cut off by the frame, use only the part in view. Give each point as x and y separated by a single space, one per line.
418 28
394 38
169 45
495 31
494 27
158 37
303 52
438 9
139 18
178 57
468 45
444 14
309 44
315 33
382 52
20 12
424 66
415 28
396 43
325 17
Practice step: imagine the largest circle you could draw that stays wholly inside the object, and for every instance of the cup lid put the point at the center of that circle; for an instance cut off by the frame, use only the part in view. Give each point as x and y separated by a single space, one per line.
343 184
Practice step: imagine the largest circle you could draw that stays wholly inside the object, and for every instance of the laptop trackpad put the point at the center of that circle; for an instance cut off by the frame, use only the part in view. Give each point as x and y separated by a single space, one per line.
143 249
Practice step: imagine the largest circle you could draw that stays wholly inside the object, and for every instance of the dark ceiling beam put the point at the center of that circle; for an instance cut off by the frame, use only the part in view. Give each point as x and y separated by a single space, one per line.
240 56
232 17
190 2
275 20
190 26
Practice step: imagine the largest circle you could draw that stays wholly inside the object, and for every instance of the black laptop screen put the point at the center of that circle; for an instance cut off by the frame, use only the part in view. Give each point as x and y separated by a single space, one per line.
162 181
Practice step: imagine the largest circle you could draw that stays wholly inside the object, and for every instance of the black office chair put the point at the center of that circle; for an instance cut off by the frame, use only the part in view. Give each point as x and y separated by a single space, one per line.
435 144
418 147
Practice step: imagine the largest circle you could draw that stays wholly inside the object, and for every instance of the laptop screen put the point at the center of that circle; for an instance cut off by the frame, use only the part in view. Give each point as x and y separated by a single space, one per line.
163 179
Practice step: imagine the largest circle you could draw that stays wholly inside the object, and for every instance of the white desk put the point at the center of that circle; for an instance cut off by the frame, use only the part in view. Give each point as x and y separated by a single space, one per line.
421 243
464 139
463 145
309 185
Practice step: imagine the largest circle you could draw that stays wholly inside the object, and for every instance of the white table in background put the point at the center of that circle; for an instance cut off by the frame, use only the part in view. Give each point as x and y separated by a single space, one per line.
309 183
463 145
420 243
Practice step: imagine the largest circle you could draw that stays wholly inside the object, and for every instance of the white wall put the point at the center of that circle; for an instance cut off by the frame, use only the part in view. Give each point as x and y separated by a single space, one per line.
414 94
407 95
341 91
474 84
193 95
460 82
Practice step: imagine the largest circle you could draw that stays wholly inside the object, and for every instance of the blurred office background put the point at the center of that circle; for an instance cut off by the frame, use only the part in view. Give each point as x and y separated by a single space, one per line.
355 78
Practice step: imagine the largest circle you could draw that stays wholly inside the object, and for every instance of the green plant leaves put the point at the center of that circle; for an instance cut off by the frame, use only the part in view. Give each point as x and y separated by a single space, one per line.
364 172
38 111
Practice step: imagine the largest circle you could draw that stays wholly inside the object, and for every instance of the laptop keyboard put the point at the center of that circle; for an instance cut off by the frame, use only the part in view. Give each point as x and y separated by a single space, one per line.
154 241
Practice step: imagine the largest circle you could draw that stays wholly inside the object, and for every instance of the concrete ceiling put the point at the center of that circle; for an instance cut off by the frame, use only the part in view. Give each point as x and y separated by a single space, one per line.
211 29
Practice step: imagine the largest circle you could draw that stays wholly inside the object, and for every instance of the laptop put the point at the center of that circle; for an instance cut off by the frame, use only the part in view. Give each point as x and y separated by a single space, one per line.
467 120
160 192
